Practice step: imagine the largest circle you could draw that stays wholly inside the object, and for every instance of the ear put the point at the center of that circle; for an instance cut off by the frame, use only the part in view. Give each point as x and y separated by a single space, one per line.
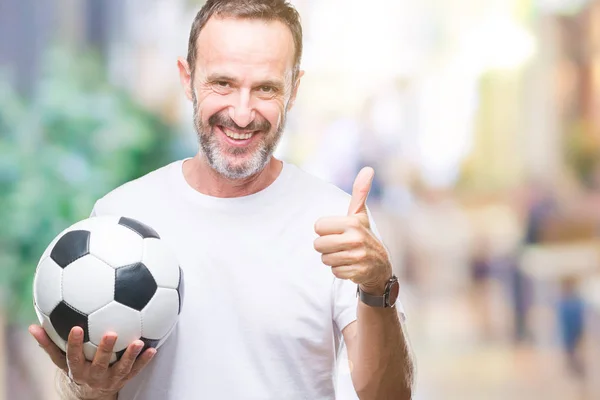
295 91
185 77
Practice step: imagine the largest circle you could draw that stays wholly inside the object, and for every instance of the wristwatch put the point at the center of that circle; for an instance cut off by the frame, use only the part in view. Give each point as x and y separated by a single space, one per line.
388 300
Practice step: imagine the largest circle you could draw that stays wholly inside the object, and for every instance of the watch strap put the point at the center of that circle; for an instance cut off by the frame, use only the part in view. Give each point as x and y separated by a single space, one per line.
372 300
378 301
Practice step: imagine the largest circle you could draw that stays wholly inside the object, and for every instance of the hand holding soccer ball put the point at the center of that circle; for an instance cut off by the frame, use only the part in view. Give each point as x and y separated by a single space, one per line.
106 290
98 376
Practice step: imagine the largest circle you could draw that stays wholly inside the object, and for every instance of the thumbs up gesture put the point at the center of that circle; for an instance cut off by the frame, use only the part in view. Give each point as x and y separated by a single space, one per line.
348 245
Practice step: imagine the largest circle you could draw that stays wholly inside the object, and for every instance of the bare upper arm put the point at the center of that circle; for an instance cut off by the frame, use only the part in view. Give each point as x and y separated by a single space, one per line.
350 334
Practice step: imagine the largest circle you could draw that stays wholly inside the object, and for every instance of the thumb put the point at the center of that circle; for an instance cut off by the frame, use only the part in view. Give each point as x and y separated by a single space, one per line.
360 191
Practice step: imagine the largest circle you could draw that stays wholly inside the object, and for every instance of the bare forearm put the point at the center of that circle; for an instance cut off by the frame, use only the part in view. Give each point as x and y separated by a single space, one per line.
68 390
384 367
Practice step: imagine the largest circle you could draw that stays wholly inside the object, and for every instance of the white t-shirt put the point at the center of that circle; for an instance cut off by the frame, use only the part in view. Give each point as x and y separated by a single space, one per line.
262 316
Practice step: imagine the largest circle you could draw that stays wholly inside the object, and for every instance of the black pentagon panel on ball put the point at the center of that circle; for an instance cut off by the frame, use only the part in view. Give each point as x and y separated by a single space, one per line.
148 343
138 227
70 247
134 286
180 290
119 354
64 318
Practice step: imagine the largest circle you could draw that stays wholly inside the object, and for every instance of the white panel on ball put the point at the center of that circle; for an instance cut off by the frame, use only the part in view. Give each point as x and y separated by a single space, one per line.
95 223
46 285
52 334
90 349
116 245
160 314
86 224
88 284
122 320
168 335
161 262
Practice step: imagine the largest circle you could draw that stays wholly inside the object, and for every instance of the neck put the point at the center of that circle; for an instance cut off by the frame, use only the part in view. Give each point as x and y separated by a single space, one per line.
200 176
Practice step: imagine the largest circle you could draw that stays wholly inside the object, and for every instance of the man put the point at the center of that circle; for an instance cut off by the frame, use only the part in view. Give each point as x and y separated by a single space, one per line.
258 240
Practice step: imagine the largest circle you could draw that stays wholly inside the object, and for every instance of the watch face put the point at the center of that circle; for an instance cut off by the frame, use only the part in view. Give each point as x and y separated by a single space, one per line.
394 291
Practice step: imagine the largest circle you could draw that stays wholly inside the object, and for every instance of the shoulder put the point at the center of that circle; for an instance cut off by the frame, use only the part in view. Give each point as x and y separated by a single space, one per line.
320 194
137 191
322 198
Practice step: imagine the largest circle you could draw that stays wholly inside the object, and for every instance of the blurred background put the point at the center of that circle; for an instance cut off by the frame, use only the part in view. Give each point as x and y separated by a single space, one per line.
481 118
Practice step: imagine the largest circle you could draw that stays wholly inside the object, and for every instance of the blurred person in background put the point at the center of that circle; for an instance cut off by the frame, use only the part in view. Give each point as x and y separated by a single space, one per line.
570 310
481 271
262 310
539 208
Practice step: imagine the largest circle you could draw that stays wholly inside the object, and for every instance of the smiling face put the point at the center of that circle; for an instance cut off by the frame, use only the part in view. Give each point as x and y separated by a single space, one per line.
241 89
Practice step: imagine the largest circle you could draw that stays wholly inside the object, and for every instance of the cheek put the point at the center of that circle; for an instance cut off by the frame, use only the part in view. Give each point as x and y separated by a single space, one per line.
272 112
208 105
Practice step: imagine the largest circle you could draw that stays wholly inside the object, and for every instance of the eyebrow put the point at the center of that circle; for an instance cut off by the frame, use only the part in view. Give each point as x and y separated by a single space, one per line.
220 77
267 82
270 82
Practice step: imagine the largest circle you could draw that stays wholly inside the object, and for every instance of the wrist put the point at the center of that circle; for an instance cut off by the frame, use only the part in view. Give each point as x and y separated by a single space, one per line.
73 391
84 392
376 288
378 296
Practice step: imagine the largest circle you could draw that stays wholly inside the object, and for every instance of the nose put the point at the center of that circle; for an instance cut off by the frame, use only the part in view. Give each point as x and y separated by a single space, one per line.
241 112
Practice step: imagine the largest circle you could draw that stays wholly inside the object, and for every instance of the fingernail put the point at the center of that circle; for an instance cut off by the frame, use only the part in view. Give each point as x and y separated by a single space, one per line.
152 353
111 340
77 333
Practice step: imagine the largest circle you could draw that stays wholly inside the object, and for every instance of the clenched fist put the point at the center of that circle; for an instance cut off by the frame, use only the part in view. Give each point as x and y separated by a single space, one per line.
348 245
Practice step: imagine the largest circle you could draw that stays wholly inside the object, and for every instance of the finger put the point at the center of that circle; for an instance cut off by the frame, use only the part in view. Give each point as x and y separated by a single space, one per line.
337 259
360 191
102 359
44 341
75 358
334 225
122 368
142 362
345 272
341 258
333 243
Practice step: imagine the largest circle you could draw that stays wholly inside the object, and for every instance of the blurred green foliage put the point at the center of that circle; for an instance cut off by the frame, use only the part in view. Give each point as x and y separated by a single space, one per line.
74 140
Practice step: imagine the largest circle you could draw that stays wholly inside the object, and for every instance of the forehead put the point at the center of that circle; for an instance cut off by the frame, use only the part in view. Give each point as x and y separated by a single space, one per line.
244 46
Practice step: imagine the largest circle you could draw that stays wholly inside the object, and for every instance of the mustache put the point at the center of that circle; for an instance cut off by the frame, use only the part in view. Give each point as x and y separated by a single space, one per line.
222 119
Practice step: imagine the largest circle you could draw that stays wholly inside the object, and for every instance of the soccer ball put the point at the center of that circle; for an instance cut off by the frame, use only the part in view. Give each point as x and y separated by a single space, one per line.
106 274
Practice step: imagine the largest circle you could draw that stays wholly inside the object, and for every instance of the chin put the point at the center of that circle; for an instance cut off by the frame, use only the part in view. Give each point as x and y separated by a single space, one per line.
236 163
236 170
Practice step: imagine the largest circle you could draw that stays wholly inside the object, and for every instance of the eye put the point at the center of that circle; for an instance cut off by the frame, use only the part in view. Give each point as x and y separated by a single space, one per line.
267 89
223 84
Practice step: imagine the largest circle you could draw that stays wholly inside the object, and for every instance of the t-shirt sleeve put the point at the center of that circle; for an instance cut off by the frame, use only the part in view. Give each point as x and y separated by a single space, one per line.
345 303
345 300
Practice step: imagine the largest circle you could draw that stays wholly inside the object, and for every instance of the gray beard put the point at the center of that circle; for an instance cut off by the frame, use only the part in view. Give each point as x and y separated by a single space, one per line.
217 157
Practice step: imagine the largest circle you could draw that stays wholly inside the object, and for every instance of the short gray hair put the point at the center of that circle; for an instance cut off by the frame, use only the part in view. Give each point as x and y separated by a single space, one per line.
267 10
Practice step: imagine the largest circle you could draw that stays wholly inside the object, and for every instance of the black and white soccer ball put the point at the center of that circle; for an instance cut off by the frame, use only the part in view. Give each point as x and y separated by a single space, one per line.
104 274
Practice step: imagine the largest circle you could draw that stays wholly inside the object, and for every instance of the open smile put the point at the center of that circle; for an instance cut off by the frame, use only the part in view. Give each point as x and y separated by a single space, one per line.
237 138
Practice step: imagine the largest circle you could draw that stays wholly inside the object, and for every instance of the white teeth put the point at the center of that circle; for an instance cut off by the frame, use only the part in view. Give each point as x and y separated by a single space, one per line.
238 136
